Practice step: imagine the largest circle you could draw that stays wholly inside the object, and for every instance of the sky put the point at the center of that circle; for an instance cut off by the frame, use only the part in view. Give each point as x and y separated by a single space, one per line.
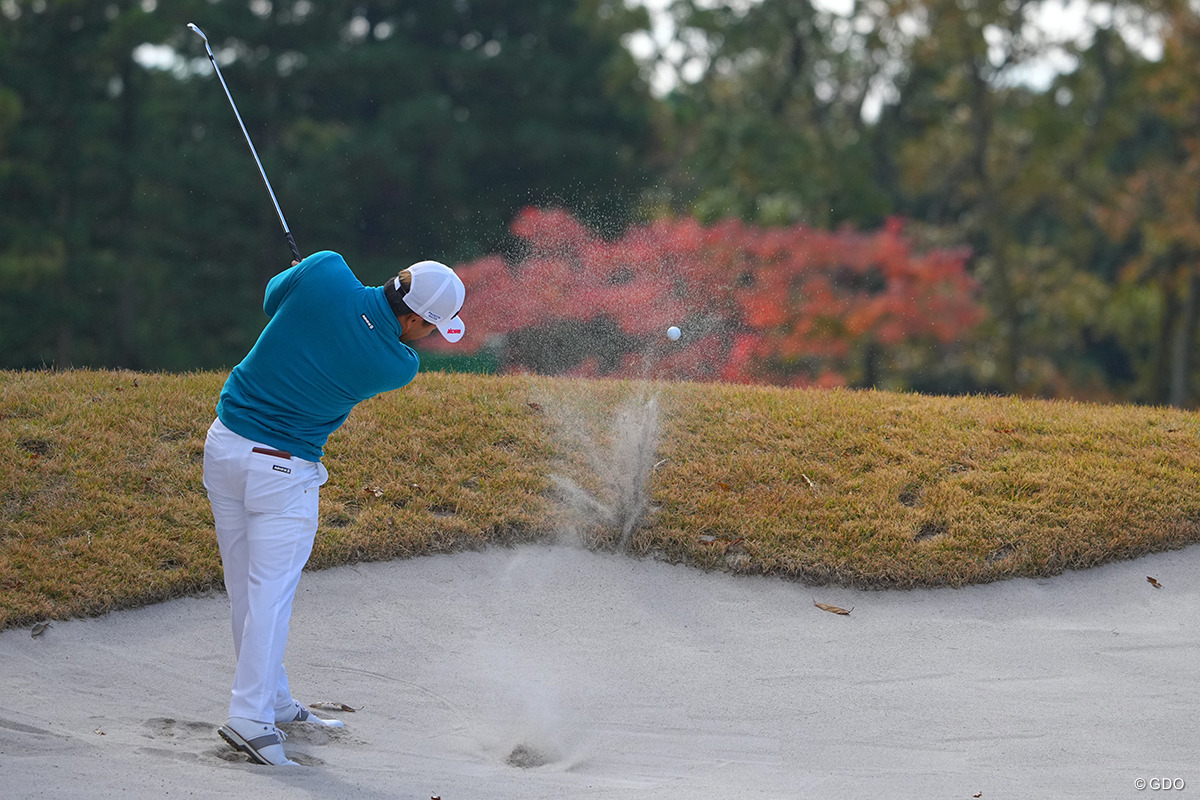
1056 21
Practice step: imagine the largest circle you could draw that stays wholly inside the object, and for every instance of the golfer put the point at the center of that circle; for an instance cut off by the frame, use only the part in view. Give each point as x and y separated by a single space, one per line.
330 343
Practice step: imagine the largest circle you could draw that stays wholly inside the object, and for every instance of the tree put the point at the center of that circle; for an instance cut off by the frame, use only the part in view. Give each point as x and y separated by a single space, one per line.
924 109
68 123
1014 171
1155 212
134 230
785 305
774 129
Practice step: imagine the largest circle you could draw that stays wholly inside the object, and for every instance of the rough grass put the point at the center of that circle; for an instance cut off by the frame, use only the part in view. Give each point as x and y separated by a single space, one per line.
102 507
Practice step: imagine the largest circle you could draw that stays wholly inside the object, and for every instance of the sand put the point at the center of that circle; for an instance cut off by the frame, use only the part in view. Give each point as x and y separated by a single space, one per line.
554 672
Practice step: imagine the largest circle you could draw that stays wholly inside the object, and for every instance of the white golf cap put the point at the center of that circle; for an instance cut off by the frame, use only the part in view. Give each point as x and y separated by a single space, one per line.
436 295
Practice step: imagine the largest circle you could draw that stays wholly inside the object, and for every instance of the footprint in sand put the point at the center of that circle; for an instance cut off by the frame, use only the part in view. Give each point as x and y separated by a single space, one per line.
186 740
183 740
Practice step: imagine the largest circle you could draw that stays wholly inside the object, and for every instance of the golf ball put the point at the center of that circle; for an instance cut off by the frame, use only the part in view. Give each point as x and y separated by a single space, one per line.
673 333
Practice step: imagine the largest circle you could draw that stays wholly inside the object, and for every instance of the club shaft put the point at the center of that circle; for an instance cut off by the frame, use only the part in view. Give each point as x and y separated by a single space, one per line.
287 232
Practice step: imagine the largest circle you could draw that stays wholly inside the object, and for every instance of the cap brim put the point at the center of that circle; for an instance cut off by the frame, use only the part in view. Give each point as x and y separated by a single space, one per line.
452 329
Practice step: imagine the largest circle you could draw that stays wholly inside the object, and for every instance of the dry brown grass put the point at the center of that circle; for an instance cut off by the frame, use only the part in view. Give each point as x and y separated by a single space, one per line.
102 507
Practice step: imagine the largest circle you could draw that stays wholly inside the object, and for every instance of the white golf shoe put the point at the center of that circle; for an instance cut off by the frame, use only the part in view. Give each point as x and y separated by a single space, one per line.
262 742
298 713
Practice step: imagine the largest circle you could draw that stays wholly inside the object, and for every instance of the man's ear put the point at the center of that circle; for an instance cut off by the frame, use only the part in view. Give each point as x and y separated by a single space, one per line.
408 321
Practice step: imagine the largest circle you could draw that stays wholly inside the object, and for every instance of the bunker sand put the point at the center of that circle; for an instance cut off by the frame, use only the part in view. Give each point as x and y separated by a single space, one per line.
555 672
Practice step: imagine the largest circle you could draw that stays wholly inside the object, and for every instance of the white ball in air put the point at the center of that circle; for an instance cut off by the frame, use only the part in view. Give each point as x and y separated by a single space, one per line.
673 333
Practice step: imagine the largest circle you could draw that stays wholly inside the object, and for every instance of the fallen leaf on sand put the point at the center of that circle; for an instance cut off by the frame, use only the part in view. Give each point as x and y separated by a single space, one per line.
99 732
1153 582
326 705
832 609
39 628
978 795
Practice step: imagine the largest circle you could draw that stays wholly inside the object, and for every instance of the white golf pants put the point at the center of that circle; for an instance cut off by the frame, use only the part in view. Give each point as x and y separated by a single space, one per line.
265 509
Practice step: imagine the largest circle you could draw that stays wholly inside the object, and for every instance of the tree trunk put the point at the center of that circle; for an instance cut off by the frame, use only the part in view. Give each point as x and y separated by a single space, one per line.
125 245
1159 375
1185 341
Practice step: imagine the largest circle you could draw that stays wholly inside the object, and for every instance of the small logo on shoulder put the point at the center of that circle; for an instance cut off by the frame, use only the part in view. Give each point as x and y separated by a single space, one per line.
284 470
364 319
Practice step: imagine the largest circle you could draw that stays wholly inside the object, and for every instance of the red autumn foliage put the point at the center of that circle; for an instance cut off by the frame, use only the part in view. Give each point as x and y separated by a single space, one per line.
756 305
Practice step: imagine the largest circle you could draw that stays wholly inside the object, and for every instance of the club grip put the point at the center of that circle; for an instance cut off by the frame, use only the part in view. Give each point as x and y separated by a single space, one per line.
292 244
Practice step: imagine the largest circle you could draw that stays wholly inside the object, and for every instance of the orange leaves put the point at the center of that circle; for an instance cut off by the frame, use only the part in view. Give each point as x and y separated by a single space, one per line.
1153 582
784 305
549 230
764 312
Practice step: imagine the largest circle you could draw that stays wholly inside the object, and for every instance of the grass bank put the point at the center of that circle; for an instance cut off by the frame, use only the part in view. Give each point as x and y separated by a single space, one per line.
102 507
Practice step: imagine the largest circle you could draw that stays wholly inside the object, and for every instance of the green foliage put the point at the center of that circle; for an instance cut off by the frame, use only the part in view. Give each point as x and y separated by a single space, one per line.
773 132
134 227
134 230
945 113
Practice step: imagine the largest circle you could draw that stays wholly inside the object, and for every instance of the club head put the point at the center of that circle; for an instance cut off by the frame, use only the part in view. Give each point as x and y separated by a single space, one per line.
199 32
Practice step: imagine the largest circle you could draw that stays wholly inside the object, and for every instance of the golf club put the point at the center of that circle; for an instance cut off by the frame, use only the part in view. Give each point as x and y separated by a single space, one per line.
291 242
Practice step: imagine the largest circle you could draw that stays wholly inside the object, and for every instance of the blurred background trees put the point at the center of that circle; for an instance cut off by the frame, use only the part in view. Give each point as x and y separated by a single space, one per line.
134 228
787 305
1054 158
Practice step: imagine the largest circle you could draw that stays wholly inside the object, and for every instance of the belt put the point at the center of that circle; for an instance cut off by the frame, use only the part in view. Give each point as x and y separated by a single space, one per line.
266 451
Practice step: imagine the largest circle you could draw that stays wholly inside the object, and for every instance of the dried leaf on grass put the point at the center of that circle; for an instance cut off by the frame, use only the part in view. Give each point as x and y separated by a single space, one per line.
832 609
1153 582
326 705
375 490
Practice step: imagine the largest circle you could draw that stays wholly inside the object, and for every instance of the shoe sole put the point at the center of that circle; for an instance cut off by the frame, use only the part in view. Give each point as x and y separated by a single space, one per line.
237 742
